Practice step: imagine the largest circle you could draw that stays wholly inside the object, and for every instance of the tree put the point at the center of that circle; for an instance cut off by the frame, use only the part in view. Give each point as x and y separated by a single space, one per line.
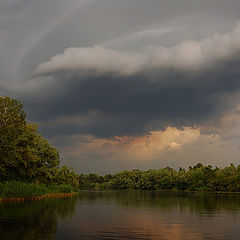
66 175
12 126
24 154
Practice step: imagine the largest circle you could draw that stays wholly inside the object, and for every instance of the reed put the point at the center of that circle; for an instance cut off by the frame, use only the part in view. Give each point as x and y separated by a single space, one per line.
22 190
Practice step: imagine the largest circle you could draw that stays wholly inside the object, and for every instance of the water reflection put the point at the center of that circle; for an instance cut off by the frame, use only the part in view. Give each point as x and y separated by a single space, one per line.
166 201
124 215
34 219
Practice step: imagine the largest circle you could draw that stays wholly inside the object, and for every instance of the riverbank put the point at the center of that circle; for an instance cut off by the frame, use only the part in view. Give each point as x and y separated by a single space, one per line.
196 193
16 191
51 195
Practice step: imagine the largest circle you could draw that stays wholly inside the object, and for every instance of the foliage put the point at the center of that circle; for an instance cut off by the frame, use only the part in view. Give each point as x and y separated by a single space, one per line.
66 175
197 178
24 154
12 126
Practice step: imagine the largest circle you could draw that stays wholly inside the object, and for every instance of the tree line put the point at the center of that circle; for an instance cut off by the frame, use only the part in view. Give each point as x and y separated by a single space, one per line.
196 178
25 155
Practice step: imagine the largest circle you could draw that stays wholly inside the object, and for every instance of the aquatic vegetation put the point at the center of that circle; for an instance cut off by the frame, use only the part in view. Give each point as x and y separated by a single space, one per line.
21 190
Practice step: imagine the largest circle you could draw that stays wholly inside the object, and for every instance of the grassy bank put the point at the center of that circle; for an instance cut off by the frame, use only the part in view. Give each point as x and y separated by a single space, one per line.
16 190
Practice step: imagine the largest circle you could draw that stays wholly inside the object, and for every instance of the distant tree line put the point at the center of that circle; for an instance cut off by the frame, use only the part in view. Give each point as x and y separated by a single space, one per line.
24 154
196 178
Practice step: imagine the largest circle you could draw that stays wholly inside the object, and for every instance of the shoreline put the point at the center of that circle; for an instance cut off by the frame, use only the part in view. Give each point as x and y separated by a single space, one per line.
65 195
159 191
38 198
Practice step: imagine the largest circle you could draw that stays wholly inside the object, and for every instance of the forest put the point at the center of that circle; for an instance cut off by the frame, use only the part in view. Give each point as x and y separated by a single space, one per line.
196 178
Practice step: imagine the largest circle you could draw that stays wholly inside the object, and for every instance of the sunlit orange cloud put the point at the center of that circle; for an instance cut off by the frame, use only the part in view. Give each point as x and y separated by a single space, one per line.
157 141
171 147
141 148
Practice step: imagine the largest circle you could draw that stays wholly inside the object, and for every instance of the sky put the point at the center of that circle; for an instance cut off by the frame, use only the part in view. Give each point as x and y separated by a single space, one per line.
131 84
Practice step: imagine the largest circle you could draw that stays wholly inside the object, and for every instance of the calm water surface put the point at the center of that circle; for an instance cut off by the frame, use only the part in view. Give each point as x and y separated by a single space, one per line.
124 215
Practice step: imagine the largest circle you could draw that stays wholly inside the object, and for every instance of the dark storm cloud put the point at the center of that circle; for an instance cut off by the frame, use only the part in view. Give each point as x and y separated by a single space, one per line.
105 92
106 106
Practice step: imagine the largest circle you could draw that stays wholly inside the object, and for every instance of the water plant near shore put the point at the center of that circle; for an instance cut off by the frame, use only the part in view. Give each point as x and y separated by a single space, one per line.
22 190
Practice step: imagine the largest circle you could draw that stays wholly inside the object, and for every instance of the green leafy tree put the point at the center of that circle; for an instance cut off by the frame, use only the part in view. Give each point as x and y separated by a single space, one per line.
66 175
197 178
12 126
24 154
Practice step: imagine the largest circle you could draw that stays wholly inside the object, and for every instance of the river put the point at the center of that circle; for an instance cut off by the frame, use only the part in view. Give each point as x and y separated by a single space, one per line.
124 215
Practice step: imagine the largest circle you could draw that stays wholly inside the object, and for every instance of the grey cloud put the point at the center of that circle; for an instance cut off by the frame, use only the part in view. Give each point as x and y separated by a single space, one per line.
105 93
33 31
106 20
189 55
134 105
22 24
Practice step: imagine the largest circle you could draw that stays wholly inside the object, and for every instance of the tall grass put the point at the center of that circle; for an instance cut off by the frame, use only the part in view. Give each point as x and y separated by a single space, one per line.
17 189
62 189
